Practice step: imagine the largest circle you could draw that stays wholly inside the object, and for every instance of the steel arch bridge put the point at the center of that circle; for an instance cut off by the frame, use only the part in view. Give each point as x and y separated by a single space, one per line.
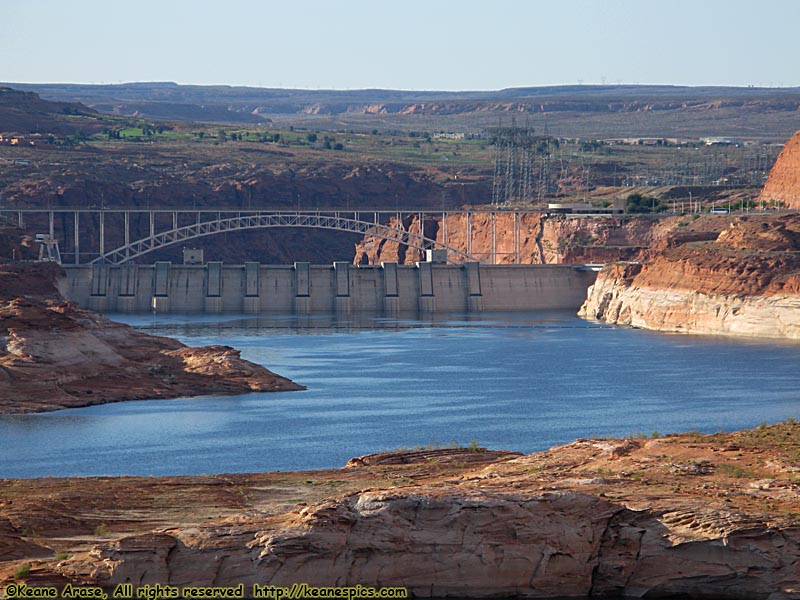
82 232
348 222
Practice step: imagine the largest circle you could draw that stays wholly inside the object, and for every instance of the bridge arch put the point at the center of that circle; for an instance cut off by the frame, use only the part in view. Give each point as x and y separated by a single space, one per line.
333 221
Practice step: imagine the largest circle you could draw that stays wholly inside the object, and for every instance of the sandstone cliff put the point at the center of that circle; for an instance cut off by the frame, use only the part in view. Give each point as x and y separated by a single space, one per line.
54 355
746 282
280 179
543 239
783 184
680 516
456 232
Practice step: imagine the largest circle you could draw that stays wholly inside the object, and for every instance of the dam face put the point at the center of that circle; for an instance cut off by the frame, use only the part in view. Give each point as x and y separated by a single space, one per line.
341 288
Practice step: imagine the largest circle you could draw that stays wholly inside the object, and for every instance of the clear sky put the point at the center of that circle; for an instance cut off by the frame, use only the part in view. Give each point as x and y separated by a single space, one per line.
402 44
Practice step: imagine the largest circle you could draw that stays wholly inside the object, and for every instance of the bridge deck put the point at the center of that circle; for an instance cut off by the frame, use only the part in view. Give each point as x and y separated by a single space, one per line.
157 228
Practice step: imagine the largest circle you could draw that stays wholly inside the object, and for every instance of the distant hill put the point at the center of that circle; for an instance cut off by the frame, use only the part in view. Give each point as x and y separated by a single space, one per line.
25 112
766 114
571 110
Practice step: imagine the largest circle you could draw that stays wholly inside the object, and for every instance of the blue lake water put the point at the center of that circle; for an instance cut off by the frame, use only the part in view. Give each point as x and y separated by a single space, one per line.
515 381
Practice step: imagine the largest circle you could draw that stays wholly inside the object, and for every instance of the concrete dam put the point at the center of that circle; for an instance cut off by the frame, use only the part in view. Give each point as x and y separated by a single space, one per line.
340 288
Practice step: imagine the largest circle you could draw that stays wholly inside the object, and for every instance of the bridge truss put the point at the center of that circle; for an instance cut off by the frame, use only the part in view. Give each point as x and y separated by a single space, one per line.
83 233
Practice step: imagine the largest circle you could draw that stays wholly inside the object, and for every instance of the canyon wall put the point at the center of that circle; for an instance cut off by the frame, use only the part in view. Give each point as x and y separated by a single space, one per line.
132 181
746 282
543 239
783 184
468 234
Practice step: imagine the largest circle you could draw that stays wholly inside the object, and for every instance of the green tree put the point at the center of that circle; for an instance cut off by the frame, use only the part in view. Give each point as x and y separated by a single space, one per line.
638 204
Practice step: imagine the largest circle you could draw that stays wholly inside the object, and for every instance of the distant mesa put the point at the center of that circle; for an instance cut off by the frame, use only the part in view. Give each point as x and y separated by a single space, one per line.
30 102
24 112
240 104
783 184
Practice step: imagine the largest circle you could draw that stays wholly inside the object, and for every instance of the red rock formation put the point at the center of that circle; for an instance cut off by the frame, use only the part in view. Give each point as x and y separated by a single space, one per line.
747 282
237 186
783 184
455 231
680 516
54 355
542 239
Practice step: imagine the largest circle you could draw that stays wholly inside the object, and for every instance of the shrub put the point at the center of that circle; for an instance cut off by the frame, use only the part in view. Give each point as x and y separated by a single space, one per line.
22 571
736 471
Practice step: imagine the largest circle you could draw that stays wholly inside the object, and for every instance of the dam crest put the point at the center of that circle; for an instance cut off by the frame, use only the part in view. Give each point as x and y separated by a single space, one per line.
341 288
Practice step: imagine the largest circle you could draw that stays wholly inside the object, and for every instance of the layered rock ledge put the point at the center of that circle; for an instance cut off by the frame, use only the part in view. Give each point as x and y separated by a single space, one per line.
54 355
686 515
745 283
542 239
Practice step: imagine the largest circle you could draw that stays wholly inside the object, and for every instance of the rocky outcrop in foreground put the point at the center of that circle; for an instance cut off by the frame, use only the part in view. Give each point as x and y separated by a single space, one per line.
746 283
677 516
54 355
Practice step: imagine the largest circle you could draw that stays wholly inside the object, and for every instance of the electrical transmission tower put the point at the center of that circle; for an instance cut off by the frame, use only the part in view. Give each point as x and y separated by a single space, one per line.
516 178
512 165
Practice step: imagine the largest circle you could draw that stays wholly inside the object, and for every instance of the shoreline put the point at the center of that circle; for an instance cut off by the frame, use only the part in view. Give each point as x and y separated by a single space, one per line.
683 493
744 283
55 355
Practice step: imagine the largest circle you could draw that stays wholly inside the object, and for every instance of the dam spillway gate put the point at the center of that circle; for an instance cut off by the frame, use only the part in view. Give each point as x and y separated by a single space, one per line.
341 288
